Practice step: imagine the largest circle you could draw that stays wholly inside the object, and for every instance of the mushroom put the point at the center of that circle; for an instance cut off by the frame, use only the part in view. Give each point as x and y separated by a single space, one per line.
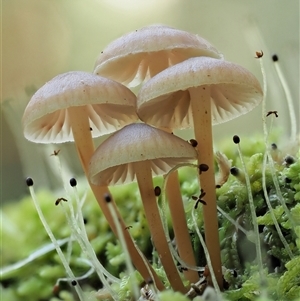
66 108
76 106
200 92
138 56
136 152
143 53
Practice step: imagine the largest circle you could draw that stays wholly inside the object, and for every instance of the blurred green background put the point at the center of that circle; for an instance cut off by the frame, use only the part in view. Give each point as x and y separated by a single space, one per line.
42 38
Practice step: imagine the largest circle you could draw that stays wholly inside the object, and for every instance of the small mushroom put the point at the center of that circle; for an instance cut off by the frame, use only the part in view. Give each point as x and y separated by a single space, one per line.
137 152
200 92
67 106
65 109
143 53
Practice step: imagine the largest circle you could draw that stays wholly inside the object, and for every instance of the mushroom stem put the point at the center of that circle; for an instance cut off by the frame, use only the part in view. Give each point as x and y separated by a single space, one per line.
183 239
144 179
79 121
201 110
85 148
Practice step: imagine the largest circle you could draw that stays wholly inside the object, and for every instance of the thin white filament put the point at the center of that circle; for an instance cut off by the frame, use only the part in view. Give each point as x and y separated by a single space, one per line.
267 155
237 225
55 243
85 239
289 100
213 277
85 245
78 230
33 256
130 268
283 240
75 220
84 276
253 215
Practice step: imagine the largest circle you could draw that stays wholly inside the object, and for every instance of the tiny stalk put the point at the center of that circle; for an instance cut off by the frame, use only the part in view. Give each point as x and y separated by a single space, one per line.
179 223
144 180
201 109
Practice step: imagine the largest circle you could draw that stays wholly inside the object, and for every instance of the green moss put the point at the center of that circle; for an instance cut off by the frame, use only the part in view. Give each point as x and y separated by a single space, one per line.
36 277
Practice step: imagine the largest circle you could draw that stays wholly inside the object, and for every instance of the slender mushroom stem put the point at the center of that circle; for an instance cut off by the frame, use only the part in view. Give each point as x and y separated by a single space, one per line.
201 110
183 239
179 223
79 121
144 180
85 148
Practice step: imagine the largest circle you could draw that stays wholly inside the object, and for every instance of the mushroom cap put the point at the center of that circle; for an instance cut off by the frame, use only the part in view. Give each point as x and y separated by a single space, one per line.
110 106
164 100
143 53
113 161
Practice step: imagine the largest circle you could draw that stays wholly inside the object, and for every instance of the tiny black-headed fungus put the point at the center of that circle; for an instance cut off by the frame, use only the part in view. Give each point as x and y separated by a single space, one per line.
193 142
203 168
29 182
275 58
157 191
74 282
274 146
259 54
73 182
107 198
234 171
236 139
289 160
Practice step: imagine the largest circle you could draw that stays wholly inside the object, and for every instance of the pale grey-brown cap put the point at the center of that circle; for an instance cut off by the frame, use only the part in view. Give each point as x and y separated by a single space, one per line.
145 52
109 106
113 161
164 100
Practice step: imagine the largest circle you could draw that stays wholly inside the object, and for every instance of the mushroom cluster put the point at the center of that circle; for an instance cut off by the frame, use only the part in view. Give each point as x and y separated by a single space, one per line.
182 81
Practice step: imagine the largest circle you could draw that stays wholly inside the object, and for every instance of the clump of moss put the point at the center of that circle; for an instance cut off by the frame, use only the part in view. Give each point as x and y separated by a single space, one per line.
36 276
